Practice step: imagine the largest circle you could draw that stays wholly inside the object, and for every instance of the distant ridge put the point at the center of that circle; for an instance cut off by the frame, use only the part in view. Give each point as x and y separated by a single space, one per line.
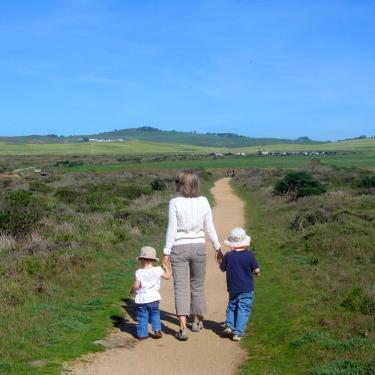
148 133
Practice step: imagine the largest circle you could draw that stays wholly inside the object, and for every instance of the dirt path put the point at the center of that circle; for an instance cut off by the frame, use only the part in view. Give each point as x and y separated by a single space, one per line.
205 352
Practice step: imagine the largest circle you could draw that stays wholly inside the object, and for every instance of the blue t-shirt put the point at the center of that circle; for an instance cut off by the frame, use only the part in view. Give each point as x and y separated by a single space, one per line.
239 266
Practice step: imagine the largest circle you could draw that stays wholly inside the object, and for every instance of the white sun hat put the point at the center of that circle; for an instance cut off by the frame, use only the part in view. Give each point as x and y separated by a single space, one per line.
238 238
148 252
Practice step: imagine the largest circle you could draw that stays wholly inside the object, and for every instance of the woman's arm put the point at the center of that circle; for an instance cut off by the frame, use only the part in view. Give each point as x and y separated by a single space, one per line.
172 228
210 228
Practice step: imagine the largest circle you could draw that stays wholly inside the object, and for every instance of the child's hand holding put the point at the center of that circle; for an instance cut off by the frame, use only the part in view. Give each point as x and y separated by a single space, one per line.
257 271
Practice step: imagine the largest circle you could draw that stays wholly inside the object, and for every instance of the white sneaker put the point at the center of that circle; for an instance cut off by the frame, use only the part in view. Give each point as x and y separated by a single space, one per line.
227 331
236 338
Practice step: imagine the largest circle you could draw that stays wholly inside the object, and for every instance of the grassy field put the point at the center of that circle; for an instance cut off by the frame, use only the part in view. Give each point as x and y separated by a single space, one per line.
67 257
64 274
117 148
364 160
352 145
314 303
145 147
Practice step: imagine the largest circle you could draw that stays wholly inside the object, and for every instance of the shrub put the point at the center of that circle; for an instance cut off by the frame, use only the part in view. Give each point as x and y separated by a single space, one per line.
19 213
368 183
69 163
308 217
68 194
40 187
133 191
358 300
158 185
298 184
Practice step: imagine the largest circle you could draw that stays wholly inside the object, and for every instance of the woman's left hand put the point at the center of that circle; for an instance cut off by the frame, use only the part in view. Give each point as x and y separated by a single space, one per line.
218 256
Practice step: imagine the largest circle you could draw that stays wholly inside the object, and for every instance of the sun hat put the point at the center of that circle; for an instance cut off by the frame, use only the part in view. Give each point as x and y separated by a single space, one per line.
148 252
237 238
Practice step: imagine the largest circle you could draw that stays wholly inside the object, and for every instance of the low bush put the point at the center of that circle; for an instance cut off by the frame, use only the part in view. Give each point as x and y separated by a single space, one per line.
133 191
368 183
19 213
37 186
298 184
158 185
358 300
308 217
68 194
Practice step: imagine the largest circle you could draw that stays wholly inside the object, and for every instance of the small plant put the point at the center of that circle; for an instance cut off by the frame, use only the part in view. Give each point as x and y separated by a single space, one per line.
158 185
297 185
368 183
358 300
40 187
305 218
68 194
19 213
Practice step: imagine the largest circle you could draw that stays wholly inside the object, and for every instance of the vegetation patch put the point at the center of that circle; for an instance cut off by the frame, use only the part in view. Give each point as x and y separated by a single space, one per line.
297 185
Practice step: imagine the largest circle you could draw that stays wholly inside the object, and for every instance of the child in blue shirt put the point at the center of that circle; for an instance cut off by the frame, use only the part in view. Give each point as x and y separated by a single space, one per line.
239 264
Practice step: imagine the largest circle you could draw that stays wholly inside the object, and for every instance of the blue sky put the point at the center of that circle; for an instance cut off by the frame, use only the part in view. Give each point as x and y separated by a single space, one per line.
268 68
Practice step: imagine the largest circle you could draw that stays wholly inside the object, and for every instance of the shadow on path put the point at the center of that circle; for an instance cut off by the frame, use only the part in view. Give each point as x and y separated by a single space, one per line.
130 326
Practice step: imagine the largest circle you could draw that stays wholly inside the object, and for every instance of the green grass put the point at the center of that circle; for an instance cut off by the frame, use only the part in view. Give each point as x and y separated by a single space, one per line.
302 322
363 160
148 147
117 148
352 145
61 284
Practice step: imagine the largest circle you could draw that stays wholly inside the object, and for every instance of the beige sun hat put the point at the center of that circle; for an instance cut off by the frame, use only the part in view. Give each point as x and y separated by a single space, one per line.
237 238
148 252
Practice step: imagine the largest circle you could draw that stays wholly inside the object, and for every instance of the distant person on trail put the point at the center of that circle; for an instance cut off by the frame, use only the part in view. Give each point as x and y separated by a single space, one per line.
239 264
189 217
147 297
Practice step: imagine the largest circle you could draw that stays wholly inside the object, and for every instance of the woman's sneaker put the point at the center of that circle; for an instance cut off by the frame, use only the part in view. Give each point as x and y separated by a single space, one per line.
182 335
227 331
197 326
236 338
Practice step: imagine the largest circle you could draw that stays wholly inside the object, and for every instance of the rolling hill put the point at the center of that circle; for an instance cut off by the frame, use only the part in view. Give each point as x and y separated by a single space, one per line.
149 134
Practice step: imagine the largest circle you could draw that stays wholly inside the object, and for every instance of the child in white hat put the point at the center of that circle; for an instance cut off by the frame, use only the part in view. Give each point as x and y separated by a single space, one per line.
147 296
239 265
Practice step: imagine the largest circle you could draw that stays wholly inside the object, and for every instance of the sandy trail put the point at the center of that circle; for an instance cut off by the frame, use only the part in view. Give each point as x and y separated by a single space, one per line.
205 352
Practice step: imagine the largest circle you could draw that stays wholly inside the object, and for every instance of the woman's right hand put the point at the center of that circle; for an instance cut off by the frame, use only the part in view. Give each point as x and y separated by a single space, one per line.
166 261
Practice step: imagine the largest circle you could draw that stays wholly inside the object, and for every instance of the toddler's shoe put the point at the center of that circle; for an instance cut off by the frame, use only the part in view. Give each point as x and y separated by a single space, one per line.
158 334
142 337
197 326
227 331
236 338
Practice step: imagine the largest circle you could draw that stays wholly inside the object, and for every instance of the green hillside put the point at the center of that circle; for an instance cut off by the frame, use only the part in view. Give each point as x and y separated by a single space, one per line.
222 140
149 134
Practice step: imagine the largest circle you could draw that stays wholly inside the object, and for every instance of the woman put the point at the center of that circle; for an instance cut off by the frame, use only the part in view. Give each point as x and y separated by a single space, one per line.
189 217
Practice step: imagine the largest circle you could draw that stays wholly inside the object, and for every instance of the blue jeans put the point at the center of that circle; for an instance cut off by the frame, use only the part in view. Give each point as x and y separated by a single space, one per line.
148 313
238 312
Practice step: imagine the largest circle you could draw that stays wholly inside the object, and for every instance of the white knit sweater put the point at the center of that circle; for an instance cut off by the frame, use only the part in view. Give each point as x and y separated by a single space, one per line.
188 220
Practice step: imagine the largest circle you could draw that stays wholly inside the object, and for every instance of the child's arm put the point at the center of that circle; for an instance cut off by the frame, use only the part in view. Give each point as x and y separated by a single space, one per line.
166 275
136 285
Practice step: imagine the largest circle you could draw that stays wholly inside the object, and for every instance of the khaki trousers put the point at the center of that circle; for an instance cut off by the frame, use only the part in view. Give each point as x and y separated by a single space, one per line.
189 270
